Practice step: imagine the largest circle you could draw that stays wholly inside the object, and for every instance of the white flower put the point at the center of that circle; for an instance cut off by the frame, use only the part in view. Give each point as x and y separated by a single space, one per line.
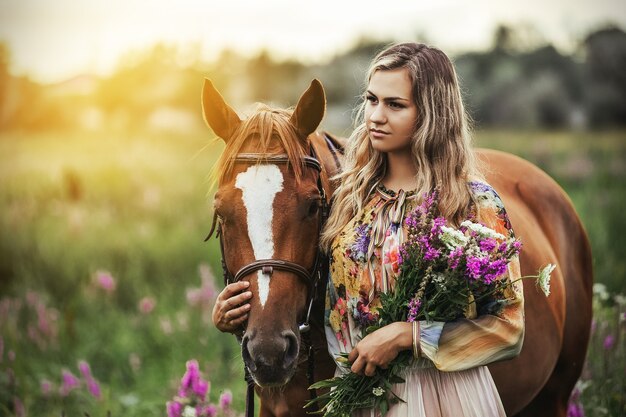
452 238
483 230
378 391
600 291
620 299
189 411
544 278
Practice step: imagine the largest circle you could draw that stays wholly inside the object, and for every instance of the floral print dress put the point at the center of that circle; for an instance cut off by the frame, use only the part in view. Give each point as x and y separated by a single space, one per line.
451 378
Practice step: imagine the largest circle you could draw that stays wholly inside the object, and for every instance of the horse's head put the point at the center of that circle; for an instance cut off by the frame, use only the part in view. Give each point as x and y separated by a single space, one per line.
269 202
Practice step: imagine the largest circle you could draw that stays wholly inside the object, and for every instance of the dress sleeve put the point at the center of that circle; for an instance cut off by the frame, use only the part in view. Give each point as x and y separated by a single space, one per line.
467 343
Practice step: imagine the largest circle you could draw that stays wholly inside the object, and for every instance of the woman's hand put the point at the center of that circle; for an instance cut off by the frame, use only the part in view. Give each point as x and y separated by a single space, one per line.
381 347
231 307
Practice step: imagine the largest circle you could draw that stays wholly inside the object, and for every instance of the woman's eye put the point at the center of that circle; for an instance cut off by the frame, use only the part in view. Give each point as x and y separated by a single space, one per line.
395 105
370 98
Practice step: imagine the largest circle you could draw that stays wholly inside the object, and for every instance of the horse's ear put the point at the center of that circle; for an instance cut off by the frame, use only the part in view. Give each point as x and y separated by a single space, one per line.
218 115
310 109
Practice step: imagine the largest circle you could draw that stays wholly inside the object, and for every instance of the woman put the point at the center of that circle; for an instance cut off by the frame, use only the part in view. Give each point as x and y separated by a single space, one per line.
412 134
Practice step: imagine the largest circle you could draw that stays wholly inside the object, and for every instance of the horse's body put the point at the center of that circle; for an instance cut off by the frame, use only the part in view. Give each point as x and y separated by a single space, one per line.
536 383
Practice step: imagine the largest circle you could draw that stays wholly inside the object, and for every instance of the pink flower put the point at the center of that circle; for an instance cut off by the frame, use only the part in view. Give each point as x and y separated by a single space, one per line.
226 400
174 409
210 410
84 369
46 387
69 381
609 341
106 281
93 387
146 305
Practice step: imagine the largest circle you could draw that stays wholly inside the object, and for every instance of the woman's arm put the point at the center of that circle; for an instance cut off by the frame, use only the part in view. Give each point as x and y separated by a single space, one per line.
452 346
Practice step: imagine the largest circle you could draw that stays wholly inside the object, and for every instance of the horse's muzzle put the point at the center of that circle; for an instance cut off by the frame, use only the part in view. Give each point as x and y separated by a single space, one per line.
270 360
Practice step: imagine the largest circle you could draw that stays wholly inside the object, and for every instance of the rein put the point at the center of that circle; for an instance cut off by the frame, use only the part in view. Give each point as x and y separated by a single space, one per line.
267 266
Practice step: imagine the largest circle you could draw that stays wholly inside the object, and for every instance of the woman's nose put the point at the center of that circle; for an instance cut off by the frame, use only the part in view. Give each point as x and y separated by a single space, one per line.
378 115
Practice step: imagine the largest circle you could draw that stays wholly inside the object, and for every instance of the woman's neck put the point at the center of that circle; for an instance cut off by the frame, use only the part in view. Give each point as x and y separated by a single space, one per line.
401 171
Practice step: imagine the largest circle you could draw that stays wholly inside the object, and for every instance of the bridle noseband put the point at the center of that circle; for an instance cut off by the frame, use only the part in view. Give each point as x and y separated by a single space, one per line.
267 266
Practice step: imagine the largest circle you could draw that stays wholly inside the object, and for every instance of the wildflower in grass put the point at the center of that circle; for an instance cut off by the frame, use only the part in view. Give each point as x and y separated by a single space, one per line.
210 410
174 409
193 396
18 407
105 281
189 411
84 369
378 391
226 399
69 383
600 291
93 387
146 305
609 342
46 387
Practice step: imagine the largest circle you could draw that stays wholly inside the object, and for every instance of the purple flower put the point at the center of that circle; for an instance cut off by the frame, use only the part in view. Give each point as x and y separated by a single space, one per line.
46 387
414 306
609 342
575 410
431 254
455 257
361 244
226 400
69 381
487 245
106 281
93 387
146 305
437 223
191 376
210 410
174 409
84 369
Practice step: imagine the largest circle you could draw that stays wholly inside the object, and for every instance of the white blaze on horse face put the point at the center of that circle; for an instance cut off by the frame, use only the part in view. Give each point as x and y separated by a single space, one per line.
259 185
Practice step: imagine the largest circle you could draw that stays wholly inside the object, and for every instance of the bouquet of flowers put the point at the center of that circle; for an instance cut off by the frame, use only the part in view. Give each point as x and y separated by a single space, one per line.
445 273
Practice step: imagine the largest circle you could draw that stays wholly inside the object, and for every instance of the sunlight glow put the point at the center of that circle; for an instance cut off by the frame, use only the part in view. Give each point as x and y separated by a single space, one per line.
52 40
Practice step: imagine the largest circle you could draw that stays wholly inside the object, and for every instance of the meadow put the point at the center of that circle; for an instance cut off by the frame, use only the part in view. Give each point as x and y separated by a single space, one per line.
106 284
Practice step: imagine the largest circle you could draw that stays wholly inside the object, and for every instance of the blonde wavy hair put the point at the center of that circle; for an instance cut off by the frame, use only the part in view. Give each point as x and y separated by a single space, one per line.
441 146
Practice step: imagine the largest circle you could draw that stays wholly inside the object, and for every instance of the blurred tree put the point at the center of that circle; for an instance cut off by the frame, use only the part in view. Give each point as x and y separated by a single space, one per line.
605 77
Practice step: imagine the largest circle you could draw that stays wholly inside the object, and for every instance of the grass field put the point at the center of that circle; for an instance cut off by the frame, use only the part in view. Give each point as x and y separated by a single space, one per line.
102 260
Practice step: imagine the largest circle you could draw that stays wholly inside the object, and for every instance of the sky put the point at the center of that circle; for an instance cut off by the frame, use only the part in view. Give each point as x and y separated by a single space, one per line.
52 40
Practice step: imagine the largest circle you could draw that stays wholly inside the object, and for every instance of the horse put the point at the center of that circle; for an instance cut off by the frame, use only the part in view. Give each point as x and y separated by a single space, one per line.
272 198
538 382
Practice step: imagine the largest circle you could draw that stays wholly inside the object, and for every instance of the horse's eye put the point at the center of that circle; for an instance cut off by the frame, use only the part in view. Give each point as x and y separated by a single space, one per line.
313 207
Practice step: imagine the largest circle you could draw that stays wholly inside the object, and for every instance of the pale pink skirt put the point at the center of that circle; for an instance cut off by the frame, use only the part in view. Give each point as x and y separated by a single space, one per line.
432 393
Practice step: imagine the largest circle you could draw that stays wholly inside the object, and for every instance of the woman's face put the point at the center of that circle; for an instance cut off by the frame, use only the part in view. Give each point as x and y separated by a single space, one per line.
390 113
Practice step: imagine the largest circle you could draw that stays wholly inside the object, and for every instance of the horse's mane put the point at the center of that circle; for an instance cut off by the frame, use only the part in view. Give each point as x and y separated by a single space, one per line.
274 133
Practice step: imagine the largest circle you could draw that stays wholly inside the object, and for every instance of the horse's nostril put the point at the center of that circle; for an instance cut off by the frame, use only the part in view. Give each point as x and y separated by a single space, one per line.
291 351
245 354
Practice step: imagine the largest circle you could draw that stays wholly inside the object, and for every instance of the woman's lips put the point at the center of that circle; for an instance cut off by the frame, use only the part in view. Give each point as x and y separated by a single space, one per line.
378 134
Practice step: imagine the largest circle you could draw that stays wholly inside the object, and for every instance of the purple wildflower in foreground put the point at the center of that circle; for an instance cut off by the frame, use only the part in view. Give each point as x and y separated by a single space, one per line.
69 383
609 342
174 409
226 400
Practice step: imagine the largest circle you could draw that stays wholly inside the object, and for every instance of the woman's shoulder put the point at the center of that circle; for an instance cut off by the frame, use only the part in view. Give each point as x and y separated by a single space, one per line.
484 194
490 208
